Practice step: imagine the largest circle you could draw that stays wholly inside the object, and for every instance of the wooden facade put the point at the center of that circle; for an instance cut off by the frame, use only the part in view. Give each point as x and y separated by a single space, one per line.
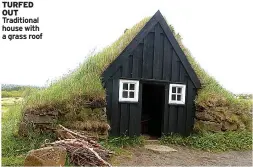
155 59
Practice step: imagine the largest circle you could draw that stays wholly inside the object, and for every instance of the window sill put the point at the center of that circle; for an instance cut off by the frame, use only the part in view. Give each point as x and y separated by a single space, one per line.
128 101
176 104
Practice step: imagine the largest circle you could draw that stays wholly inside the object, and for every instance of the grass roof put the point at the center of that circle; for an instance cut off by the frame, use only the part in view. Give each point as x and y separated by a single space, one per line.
84 83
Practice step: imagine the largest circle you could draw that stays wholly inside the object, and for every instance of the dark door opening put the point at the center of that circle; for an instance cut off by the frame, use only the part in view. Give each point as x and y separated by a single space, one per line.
152 109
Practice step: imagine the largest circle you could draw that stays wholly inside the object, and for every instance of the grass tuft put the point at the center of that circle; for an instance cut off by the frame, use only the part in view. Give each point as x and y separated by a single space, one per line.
123 141
216 142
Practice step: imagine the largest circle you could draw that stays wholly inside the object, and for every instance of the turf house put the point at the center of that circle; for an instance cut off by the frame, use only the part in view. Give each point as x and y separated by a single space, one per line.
146 82
151 86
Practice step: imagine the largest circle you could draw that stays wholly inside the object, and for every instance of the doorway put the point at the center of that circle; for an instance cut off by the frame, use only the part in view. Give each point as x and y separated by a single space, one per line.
152 109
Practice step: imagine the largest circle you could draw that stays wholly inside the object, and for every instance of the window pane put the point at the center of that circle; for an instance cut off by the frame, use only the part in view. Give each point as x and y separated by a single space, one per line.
131 86
178 97
173 97
173 89
124 94
179 90
131 94
125 86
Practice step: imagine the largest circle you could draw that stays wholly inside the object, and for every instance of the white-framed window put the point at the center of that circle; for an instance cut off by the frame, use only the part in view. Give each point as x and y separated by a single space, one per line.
177 94
128 90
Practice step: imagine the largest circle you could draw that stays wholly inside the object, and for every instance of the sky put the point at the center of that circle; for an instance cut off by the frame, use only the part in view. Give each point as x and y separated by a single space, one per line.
218 34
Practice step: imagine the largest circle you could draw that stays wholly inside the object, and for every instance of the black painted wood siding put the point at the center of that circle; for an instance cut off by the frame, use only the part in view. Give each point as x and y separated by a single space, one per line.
153 58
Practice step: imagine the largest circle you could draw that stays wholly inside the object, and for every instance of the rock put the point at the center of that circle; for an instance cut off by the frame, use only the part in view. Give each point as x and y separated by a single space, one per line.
203 116
241 126
44 110
33 161
219 116
45 127
159 148
39 119
208 126
226 126
23 129
47 156
104 115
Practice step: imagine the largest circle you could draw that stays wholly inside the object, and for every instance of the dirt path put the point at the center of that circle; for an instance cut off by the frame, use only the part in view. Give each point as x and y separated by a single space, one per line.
183 157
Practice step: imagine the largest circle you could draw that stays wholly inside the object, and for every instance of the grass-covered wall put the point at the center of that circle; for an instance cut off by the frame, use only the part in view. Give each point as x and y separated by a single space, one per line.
76 95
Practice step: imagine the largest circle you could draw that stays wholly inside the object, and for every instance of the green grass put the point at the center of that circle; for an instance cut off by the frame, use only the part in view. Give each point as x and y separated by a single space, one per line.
216 142
10 90
15 148
13 93
123 141
4 108
13 160
10 101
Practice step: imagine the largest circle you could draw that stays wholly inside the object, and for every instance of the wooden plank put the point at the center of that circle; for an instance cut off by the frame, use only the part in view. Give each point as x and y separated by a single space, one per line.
115 110
182 73
145 59
148 53
167 59
124 118
155 81
158 53
175 68
125 69
140 55
137 62
172 118
180 120
166 111
115 114
109 91
130 66
189 105
134 120
138 115
193 108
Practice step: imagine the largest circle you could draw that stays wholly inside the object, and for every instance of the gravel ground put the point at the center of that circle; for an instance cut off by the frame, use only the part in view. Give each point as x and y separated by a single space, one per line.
183 157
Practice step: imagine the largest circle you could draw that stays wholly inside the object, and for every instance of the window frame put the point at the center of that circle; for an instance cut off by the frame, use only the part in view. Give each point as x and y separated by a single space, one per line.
183 94
136 90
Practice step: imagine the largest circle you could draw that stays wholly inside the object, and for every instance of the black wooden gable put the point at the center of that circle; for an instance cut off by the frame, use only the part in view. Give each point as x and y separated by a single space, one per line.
156 23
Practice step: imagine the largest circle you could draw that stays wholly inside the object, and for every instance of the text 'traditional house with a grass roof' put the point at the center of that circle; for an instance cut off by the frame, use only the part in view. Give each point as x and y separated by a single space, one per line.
151 86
